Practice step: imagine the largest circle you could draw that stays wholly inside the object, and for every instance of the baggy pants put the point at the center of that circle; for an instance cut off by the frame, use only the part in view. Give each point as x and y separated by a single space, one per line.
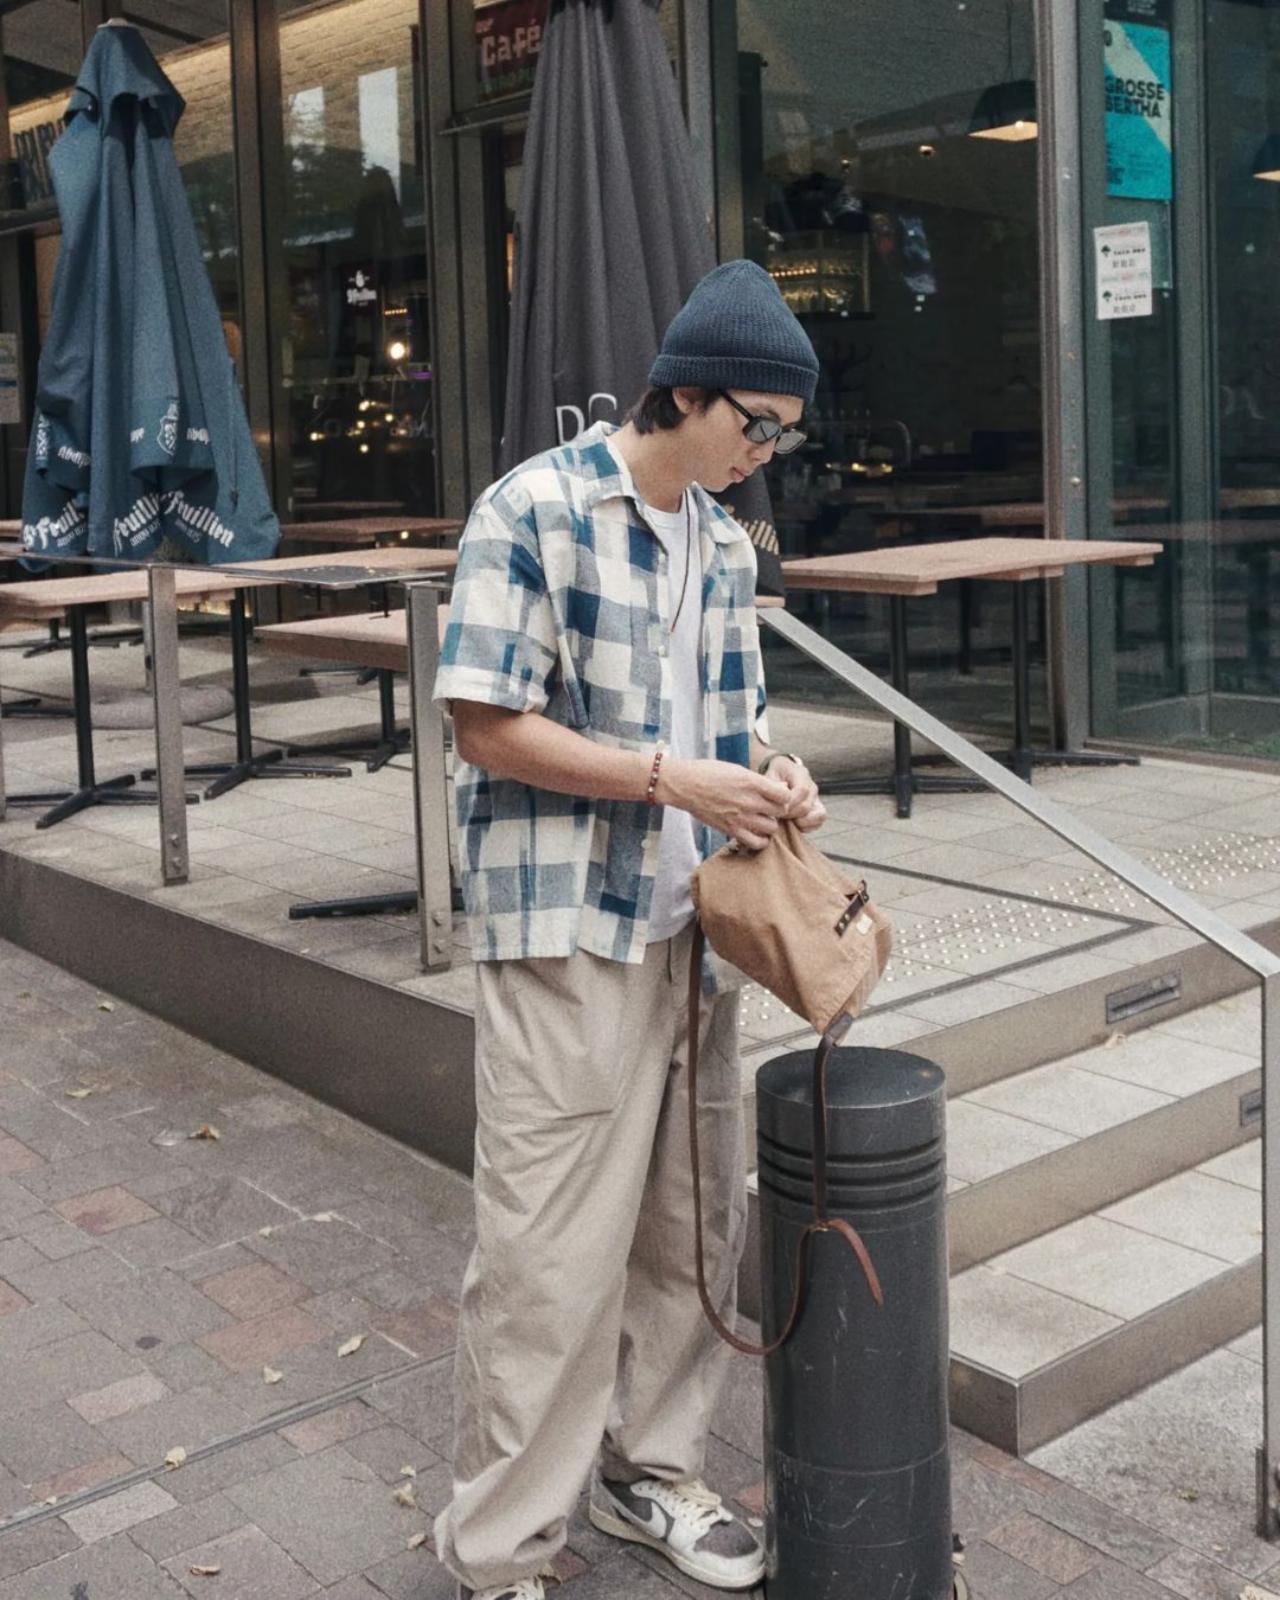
581 1333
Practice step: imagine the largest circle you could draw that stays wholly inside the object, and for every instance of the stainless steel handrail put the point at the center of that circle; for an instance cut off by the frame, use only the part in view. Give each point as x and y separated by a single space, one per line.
1232 941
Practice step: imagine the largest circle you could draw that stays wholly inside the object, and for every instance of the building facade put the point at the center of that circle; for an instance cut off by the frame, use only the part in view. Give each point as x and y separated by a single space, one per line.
1034 242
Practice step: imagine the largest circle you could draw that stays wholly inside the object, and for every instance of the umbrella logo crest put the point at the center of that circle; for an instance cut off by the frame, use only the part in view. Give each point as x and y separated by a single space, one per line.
167 438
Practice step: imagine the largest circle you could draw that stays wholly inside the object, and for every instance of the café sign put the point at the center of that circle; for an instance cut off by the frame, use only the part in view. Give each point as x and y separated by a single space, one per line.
508 42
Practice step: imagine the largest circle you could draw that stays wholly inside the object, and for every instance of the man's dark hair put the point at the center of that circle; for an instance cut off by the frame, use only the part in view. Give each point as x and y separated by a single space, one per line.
656 409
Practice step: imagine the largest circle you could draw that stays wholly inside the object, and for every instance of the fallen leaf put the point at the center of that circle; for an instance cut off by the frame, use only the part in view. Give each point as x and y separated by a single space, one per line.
404 1496
78 1094
352 1345
415 1541
1189 1495
1114 1040
755 1522
105 1005
206 1130
175 1458
1252 1592
265 1233
52 1500
204 1572
408 1472
270 1375
325 1216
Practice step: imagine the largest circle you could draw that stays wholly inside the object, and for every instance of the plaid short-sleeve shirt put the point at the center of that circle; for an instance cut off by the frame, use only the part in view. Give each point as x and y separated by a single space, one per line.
560 606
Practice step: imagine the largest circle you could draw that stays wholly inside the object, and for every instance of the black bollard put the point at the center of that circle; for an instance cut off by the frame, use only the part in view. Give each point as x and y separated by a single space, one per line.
857 1474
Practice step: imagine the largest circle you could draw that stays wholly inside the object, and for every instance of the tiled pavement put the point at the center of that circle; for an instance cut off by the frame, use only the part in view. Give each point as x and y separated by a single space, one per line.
152 1284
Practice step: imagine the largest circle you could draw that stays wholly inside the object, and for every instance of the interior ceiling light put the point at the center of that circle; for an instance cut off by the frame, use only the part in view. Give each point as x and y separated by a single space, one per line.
1266 164
1006 111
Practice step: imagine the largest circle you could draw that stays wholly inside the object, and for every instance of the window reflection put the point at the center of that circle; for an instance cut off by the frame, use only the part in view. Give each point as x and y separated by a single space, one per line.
357 357
889 183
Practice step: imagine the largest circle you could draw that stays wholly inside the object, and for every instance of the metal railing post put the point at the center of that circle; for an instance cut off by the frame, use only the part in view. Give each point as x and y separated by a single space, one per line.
430 786
1232 941
3 802
1269 1453
166 697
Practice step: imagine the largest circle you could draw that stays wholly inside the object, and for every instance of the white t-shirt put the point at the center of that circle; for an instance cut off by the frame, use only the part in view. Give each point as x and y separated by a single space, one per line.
677 531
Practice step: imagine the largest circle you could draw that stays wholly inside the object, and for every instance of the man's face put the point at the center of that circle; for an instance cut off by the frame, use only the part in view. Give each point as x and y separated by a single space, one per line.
719 453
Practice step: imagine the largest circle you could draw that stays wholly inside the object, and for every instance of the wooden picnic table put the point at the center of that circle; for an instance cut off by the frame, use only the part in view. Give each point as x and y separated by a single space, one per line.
354 531
44 599
351 508
912 570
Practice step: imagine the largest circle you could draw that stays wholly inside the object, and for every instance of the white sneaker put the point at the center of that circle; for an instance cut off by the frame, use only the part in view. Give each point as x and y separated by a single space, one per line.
685 1522
520 1589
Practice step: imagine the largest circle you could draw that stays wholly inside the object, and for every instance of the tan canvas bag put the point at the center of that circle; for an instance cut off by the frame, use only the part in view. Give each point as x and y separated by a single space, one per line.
805 930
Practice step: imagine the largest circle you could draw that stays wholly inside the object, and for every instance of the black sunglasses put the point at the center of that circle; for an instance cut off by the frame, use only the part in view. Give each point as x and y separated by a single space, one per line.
767 430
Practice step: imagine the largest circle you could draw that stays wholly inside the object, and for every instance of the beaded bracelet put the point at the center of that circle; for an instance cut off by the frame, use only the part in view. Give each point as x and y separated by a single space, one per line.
652 791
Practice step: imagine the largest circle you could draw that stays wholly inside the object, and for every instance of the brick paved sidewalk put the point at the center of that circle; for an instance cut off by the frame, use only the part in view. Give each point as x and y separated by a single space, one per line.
153 1284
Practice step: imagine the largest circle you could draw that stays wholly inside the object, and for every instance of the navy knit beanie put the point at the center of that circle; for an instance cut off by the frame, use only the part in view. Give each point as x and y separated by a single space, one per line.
735 331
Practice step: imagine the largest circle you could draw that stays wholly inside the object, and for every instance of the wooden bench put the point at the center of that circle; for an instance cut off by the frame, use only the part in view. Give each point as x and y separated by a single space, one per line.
381 643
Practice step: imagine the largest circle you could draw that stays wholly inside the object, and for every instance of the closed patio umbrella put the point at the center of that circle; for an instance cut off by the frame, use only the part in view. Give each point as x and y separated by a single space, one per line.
611 236
140 433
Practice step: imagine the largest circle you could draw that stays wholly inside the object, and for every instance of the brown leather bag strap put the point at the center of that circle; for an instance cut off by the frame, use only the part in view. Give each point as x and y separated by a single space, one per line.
821 1223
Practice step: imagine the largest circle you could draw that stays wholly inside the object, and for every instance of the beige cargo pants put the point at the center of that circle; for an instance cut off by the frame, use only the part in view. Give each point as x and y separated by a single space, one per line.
581 1332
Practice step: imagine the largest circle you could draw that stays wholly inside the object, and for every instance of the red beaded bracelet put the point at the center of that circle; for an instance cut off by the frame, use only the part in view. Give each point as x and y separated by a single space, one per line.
652 791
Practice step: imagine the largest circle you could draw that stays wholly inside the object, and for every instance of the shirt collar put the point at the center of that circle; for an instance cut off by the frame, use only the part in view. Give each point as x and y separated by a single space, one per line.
608 477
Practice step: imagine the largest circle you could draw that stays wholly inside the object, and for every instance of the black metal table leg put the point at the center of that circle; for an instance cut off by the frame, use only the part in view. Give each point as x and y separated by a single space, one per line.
904 782
229 775
1023 758
34 706
391 741
362 905
965 663
88 791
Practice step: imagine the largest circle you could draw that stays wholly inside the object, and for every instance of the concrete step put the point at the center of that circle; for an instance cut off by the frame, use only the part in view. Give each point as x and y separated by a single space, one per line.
1029 1153
1058 1329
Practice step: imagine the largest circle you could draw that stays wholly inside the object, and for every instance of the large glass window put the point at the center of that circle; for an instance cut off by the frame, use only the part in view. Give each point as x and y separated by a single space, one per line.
889 182
357 356
1181 122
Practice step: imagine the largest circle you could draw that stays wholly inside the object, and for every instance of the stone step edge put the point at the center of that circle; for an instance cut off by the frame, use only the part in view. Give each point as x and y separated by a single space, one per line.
1020 1414
1060 1186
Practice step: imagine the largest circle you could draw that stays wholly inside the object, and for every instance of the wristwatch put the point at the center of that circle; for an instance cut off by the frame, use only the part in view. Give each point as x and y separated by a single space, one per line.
773 756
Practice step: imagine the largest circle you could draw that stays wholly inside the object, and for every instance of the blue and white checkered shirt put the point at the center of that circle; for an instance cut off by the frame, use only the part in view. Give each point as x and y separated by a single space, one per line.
560 606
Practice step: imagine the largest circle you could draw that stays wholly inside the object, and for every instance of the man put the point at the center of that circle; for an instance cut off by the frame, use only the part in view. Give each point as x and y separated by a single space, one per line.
602 663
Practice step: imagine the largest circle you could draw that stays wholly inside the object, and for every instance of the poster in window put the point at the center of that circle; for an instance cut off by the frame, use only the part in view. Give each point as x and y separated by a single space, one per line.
1139 99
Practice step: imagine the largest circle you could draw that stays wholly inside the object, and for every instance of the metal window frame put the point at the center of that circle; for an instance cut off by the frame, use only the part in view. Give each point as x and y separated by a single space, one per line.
1062 354
256 113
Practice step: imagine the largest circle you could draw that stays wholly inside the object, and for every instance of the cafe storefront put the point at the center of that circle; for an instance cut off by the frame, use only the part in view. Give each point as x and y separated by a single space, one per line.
1034 243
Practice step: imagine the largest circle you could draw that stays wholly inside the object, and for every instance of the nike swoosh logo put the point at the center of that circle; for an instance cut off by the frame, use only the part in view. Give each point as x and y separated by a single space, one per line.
655 1523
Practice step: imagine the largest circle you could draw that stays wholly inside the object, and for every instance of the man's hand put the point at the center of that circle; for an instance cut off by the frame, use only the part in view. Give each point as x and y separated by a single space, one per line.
804 807
728 797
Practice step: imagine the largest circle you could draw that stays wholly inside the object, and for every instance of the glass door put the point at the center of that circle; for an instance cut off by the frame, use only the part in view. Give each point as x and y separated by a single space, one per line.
1182 212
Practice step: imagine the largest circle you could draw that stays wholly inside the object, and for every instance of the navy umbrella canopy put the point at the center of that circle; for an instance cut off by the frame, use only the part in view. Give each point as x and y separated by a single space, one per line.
611 237
140 433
